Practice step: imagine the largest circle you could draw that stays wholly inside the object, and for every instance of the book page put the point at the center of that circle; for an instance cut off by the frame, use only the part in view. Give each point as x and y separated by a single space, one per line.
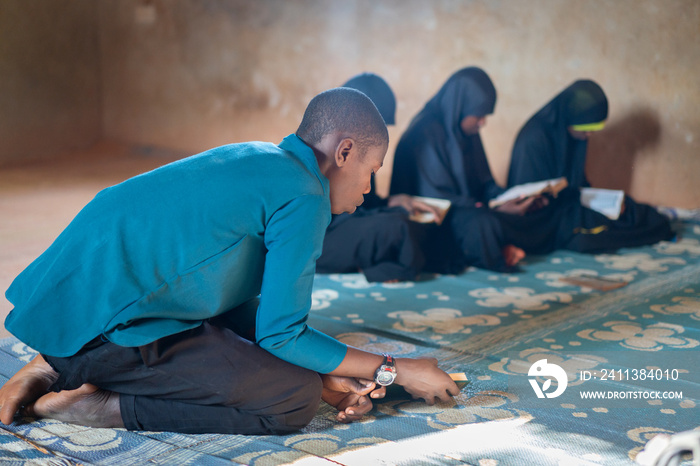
606 201
443 205
552 186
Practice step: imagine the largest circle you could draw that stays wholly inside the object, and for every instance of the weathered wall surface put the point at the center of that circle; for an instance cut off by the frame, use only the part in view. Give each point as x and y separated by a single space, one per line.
193 74
197 74
49 77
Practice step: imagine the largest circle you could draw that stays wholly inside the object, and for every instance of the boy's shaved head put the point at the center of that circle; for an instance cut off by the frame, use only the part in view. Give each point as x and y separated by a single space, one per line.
345 111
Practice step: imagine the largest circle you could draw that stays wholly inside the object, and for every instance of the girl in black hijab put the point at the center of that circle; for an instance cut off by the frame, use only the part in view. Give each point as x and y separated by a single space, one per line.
441 155
430 156
378 239
553 144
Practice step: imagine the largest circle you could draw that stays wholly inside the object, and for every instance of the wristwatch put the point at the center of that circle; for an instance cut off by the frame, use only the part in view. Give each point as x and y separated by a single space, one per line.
386 373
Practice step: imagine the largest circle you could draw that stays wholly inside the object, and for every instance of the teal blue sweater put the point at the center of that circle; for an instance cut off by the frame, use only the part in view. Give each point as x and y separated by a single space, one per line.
165 250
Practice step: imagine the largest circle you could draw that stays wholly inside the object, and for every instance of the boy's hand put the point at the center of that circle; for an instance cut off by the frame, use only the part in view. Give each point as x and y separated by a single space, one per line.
350 396
423 379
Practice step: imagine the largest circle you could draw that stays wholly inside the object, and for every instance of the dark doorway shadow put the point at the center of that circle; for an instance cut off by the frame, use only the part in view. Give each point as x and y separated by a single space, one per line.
613 151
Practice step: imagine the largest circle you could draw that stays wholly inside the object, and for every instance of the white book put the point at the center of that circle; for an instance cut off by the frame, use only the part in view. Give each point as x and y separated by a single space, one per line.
606 201
553 187
443 205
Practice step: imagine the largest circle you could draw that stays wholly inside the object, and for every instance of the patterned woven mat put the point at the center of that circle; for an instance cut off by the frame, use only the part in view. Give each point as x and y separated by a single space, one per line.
637 346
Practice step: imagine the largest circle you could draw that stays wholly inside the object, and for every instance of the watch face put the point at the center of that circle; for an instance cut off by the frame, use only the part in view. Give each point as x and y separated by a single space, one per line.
385 377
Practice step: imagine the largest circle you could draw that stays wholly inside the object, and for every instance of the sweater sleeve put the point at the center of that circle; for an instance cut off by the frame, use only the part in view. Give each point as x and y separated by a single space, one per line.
294 239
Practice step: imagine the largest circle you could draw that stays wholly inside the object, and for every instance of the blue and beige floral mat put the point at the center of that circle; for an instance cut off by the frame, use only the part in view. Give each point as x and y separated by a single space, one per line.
559 373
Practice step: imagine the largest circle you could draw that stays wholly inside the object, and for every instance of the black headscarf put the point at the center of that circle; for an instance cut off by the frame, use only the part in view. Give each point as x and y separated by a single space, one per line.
434 157
544 147
379 92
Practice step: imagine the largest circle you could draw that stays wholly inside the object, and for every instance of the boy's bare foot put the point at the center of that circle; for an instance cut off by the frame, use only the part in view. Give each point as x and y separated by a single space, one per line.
513 255
26 386
86 405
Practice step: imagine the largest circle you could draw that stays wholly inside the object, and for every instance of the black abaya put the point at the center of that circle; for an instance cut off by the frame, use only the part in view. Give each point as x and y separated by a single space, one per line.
435 158
545 149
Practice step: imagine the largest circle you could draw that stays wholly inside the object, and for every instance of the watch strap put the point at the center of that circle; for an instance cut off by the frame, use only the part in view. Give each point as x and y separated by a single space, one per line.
388 360
388 366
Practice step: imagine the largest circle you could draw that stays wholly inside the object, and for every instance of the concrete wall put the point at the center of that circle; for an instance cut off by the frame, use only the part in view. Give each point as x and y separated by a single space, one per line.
49 78
194 74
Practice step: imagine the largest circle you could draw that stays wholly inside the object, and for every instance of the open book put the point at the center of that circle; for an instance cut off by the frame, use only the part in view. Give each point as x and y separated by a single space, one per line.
553 187
606 201
443 205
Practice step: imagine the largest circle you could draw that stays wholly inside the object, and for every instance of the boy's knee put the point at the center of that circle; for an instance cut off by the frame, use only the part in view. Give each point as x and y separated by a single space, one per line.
303 405
308 401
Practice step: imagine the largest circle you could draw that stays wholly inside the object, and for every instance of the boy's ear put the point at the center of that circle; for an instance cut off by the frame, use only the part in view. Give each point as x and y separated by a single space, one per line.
343 151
